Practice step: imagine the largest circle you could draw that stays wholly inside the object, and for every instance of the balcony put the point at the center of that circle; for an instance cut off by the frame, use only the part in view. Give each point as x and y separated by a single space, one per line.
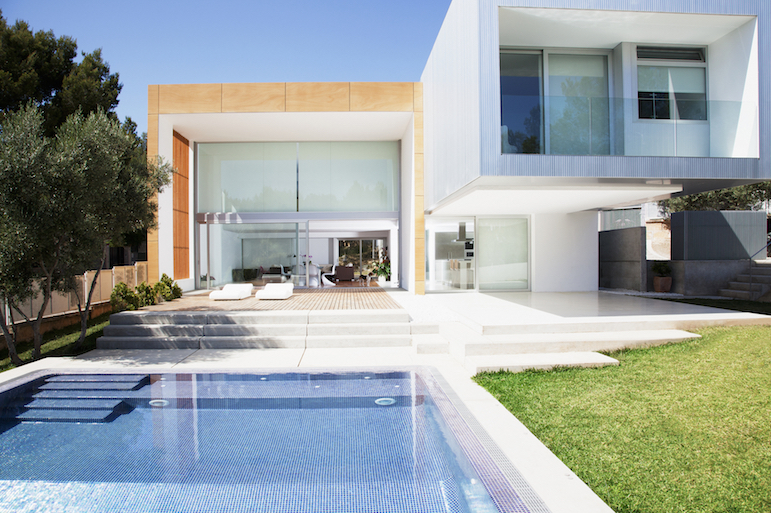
645 127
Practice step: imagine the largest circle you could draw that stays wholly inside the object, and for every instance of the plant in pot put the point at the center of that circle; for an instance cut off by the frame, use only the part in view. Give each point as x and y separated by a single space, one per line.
662 281
382 270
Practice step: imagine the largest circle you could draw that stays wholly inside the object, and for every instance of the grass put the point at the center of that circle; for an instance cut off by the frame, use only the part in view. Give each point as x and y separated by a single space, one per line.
60 342
678 428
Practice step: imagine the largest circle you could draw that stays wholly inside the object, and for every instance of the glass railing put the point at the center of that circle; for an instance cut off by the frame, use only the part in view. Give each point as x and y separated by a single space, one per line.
559 125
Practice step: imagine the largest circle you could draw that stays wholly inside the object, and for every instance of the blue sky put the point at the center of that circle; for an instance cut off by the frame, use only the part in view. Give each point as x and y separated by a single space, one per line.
195 41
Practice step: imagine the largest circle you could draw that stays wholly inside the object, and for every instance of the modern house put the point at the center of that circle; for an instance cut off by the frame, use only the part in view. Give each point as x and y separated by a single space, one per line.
530 117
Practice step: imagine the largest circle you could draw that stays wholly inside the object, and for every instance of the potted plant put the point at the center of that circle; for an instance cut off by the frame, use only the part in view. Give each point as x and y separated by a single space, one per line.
382 269
662 281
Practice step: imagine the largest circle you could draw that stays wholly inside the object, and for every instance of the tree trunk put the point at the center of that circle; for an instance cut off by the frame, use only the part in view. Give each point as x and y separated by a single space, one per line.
10 339
84 312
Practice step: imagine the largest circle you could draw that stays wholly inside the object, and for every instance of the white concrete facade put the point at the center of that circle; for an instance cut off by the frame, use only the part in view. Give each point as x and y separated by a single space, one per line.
469 174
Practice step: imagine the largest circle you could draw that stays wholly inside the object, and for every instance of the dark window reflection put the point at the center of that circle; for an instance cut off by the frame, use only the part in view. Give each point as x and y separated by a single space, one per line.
521 103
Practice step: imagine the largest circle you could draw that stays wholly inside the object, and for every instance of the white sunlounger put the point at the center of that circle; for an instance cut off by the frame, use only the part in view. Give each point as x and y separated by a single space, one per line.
232 291
276 291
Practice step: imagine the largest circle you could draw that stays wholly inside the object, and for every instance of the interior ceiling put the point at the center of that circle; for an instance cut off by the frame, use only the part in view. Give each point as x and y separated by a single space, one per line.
290 126
554 28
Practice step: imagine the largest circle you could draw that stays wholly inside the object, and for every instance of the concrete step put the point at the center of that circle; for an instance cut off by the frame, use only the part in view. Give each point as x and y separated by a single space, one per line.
544 361
739 294
763 278
362 329
148 343
424 328
357 316
254 330
430 343
531 343
154 330
271 317
327 341
253 342
739 285
158 318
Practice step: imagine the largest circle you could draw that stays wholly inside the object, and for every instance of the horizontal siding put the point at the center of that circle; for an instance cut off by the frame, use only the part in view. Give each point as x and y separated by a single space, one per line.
493 163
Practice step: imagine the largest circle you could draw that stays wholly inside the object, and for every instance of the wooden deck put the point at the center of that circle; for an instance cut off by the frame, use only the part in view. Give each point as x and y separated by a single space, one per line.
342 298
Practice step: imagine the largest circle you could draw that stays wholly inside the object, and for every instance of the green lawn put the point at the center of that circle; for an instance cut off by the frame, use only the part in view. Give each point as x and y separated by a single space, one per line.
678 428
60 342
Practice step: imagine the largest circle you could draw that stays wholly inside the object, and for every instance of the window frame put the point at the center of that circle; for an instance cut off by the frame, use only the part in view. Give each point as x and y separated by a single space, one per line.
670 63
545 98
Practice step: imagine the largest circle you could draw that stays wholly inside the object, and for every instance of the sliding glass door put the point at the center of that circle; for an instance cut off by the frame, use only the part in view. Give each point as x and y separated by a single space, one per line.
361 254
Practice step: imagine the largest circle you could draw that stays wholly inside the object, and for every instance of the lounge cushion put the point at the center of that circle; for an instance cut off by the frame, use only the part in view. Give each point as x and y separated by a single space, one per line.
232 291
276 291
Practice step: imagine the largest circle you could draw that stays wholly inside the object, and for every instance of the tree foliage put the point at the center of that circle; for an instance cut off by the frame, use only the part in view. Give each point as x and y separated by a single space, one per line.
745 197
40 68
64 198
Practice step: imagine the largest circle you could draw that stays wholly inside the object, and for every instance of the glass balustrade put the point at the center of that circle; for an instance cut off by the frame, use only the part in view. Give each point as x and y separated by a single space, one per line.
679 126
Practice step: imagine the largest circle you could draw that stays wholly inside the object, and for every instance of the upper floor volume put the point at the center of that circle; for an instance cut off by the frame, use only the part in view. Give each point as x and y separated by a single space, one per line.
577 82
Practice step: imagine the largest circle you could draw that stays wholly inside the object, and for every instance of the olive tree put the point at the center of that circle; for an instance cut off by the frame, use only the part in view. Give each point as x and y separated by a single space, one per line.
63 199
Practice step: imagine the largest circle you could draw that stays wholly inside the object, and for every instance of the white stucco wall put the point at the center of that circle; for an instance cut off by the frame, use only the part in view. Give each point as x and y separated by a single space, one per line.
166 202
406 249
564 252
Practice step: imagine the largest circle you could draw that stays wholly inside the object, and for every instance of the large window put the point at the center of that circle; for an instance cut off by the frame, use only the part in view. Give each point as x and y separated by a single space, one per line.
671 83
298 177
555 103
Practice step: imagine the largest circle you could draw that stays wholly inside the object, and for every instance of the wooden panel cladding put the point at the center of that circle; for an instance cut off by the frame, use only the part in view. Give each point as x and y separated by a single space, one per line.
181 205
152 135
189 98
318 97
418 132
382 96
153 266
152 99
269 97
418 102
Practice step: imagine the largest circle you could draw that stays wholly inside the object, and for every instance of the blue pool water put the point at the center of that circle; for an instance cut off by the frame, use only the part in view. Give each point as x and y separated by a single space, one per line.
294 442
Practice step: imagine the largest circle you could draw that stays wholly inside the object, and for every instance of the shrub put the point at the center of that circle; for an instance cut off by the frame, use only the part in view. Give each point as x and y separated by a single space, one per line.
167 288
661 268
123 298
146 294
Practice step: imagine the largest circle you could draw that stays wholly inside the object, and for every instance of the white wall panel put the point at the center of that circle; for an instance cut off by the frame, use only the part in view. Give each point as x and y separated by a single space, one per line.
565 252
166 202
406 264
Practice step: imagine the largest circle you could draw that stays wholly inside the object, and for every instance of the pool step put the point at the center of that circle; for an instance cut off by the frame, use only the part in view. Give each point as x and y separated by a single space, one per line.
76 398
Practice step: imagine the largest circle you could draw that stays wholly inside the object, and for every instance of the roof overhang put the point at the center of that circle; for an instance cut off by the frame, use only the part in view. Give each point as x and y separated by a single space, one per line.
290 126
583 28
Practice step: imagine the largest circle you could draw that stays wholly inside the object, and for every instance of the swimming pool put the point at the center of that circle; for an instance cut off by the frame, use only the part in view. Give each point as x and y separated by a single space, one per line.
279 442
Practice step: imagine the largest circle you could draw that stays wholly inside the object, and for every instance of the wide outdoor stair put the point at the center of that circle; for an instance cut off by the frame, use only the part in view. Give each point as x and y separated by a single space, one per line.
74 398
257 329
546 346
740 287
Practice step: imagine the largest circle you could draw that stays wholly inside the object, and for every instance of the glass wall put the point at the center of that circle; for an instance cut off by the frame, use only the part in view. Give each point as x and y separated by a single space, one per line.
480 253
234 253
450 261
579 110
522 102
362 254
503 253
298 177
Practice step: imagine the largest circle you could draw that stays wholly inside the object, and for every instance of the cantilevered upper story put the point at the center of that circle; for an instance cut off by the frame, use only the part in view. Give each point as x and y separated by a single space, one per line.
625 101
